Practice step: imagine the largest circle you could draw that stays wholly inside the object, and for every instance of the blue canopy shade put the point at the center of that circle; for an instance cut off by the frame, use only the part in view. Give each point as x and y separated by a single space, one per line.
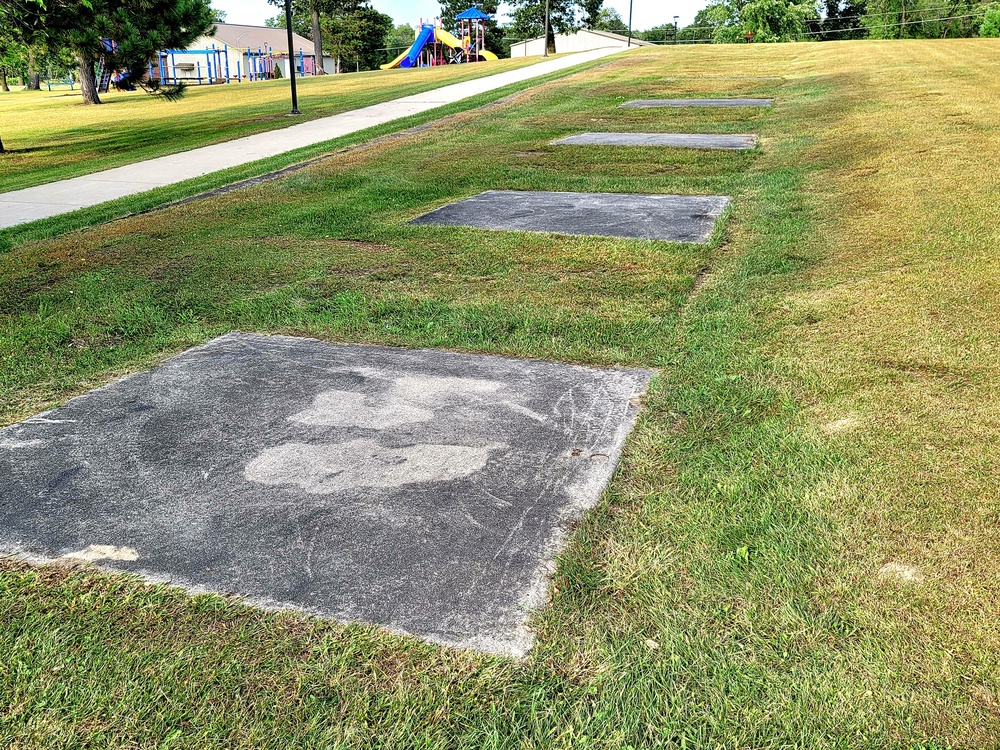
473 14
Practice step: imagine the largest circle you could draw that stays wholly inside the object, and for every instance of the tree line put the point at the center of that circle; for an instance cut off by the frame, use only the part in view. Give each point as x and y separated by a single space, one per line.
740 21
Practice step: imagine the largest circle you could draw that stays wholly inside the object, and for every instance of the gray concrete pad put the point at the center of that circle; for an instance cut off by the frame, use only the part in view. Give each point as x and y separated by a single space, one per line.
424 491
676 218
647 103
671 140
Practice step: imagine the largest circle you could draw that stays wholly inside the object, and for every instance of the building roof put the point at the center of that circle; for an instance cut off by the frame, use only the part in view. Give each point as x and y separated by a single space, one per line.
619 37
260 37
473 14
636 41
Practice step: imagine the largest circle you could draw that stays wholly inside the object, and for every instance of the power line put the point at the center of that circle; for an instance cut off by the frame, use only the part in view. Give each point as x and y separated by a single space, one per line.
894 25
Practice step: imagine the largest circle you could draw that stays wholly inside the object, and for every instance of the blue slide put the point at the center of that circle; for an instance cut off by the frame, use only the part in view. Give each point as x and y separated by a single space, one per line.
426 35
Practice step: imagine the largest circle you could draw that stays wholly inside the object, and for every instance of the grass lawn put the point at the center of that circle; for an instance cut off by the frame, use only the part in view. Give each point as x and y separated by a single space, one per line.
53 135
800 547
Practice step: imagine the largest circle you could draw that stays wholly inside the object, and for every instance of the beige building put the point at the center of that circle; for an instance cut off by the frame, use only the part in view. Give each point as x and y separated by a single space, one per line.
581 41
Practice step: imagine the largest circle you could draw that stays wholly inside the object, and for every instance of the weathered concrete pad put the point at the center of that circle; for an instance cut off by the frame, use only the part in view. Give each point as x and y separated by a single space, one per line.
672 140
677 218
646 103
424 491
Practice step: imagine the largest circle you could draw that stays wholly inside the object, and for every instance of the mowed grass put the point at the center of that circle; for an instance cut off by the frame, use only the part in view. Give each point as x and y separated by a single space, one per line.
799 548
53 136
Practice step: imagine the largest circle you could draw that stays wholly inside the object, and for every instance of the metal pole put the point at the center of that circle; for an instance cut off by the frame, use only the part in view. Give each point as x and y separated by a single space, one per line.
291 59
675 29
546 43
629 23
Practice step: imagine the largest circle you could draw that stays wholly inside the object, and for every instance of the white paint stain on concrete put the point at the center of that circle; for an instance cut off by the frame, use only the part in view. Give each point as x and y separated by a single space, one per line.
332 467
407 400
14 443
95 552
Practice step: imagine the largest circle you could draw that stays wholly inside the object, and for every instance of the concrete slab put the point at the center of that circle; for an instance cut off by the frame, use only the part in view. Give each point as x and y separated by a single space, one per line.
424 491
671 140
647 103
676 218
90 190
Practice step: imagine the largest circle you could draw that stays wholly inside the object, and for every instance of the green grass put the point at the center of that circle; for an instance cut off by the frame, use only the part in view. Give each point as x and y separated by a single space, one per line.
53 136
824 408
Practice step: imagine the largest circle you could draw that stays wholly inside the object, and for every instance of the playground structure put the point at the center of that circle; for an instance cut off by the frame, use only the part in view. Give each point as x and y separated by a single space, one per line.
186 65
436 46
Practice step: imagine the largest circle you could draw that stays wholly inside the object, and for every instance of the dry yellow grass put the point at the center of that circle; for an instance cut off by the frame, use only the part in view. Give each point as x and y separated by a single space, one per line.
899 339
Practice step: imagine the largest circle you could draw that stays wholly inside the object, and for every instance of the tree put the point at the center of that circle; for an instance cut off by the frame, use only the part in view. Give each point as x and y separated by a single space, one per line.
591 13
219 16
400 37
138 29
767 20
528 19
842 20
991 22
13 59
610 20
308 20
358 36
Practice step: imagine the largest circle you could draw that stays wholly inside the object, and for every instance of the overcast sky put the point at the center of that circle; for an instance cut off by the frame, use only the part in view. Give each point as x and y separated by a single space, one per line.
645 13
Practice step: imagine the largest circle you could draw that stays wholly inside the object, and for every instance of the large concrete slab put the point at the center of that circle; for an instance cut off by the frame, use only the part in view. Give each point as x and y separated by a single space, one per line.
676 218
424 491
646 103
23 206
670 140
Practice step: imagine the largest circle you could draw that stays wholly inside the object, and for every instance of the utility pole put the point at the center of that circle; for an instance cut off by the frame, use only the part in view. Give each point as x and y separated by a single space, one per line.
629 23
291 57
546 43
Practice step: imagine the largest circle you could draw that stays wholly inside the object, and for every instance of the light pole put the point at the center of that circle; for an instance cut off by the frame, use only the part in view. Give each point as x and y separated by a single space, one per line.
675 29
546 42
629 23
291 57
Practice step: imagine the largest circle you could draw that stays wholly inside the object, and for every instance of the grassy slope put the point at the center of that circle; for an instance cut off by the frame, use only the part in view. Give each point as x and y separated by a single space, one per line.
52 135
827 406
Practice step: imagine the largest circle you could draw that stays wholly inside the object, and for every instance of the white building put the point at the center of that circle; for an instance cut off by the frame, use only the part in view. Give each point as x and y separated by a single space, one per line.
580 41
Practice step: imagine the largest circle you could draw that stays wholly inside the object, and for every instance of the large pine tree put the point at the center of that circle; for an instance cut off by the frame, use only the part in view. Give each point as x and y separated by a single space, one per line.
138 28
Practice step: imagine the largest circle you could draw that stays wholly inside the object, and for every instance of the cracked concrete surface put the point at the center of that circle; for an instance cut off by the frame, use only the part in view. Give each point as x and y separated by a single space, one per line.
423 491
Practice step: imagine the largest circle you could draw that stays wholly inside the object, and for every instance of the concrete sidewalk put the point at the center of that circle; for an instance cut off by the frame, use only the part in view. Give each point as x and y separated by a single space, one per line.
45 201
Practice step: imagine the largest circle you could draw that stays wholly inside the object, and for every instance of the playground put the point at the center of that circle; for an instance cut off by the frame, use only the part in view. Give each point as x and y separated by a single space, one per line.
797 548
435 45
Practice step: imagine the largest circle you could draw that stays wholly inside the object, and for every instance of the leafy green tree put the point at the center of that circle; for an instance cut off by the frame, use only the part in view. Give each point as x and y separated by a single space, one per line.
842 20
767 20
401 36
358 36
13 60
991 22
528 19
609 20
922 19
591 13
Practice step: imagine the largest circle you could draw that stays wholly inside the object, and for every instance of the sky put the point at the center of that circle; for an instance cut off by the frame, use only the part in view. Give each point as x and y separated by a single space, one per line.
645 13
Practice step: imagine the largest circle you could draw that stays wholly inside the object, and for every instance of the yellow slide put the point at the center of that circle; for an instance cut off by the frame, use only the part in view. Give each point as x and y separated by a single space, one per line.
452 41
445 38
395 62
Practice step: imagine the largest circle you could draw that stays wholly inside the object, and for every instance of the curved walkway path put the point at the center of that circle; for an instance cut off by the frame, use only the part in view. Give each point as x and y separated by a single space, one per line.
45 201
